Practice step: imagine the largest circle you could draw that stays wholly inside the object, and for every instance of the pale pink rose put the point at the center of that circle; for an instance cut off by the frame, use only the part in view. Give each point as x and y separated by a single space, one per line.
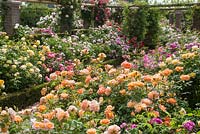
85 105
94 106
114 129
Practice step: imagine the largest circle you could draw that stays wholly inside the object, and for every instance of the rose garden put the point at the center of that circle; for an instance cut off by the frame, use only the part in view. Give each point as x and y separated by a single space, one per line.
100 67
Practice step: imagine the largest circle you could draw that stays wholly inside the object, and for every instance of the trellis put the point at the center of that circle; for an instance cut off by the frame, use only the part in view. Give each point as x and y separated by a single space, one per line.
13 13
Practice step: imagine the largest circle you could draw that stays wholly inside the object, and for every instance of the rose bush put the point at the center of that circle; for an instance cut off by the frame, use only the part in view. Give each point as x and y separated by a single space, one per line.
20 63
100 98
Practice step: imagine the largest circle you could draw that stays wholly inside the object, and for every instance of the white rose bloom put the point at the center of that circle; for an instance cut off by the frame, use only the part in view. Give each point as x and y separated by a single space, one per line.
23 67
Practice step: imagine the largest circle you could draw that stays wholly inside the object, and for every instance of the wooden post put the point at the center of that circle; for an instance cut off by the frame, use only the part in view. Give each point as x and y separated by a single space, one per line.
196 19
178 16
171 18
12 16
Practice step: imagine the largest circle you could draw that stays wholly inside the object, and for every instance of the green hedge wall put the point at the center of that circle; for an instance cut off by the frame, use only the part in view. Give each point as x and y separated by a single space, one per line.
30 15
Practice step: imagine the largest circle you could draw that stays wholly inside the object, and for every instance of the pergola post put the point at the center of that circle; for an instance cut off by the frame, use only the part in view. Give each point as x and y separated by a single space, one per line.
178 16
12 16
171 18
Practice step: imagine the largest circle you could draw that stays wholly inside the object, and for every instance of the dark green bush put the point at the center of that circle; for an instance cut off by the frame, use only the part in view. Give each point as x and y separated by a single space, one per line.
117 16
23 99
3 11
67 16
142 23
153 28
30 15
135 23
87 16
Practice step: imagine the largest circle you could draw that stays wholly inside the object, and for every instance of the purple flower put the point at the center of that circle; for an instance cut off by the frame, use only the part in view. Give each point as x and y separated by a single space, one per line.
51 55
133 126
47 31
149 62
190 45
189 125
123 125
156 120
174 45
118 40
47 78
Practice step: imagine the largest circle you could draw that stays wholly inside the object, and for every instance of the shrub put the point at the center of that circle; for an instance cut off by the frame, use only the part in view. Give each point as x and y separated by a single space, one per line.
153 28
86 14
30 14
135 23
20 64
67 17
143 24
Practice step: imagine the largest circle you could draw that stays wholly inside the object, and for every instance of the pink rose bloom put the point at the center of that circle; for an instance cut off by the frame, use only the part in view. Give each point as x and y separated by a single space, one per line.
94 106
85 105
114 129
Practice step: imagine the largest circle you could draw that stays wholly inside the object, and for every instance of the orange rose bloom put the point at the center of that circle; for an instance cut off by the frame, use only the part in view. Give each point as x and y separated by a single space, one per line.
49 96
49 125
156 113
64 96
18 119
80 91
60 114
88 79
146 101
101 90
147 78
85 105
42 108
43 91
166 72
122 92
171 101
132 85
139 107
37 125
167 121
134 74
91 131
162 107
179 69
185 77
63 73
153 95
109 114
81 113
126 65
131 104
1 83
49 116
105 121
4 129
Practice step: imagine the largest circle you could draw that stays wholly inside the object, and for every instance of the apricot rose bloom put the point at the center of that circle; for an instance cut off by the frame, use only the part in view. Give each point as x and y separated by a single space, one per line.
171 101
126 65
179 69
1 83
114 129
91 131
105 121
185 77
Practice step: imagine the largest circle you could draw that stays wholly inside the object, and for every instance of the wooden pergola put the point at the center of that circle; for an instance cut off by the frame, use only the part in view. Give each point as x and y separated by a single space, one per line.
12 20
160 6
